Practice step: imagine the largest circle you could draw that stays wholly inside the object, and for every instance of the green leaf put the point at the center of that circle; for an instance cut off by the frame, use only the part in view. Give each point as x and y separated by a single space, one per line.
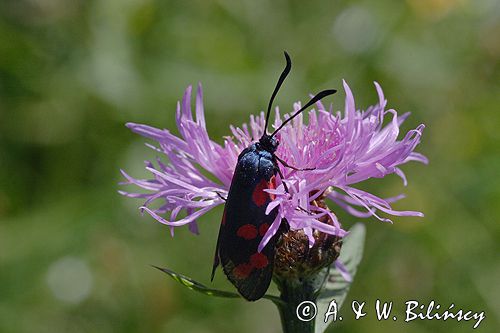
336 287
196 286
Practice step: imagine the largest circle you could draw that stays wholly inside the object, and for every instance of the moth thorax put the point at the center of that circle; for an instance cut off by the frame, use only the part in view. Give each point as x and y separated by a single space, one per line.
295 260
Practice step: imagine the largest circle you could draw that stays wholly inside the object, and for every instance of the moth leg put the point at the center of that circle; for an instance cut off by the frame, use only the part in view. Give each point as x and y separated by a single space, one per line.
292 167
220 196
282 177
286 188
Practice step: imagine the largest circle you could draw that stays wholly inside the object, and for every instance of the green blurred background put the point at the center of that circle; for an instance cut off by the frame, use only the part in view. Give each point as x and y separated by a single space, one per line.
75 255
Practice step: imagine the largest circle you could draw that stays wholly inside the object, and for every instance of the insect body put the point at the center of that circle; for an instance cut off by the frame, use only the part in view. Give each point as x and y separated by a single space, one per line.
244 221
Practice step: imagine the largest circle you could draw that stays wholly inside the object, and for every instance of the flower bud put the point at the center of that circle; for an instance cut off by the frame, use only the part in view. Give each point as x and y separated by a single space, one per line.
294 258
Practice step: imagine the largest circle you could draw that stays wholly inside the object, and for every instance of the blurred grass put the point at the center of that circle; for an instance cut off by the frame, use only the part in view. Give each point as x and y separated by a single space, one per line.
73 72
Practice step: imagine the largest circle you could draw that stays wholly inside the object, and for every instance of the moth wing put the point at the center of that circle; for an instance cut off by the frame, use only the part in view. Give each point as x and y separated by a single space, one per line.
244 225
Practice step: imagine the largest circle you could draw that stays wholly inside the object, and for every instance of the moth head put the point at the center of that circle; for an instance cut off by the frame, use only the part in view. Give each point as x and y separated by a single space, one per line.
269 143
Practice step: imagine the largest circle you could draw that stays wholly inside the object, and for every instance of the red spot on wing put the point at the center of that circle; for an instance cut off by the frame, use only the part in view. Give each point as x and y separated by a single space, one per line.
247 231
263 229
272 185
259 197
242 271
258 260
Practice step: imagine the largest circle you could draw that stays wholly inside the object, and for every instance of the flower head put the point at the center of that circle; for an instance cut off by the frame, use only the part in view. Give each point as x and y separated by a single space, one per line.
341 149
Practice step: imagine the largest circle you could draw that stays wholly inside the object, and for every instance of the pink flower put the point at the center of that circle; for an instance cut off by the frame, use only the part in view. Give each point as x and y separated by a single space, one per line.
344 149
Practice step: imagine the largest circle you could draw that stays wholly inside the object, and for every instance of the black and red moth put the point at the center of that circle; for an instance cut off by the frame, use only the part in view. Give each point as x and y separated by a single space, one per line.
244 221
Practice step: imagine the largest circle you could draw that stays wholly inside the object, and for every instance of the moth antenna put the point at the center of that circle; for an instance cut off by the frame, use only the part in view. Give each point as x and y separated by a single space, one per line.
313 100
282 78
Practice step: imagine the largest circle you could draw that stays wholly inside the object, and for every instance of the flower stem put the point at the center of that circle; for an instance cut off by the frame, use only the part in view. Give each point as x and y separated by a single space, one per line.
294 291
